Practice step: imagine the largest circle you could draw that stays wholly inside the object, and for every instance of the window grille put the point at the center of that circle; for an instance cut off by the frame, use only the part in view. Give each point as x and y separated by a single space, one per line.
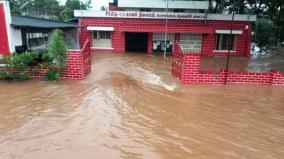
191 43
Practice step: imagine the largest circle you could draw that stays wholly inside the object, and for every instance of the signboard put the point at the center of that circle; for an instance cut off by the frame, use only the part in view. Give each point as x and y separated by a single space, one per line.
144 15
162 15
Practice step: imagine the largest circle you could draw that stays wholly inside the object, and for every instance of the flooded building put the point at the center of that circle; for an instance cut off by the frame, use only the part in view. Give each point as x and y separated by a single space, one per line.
140 25
32 30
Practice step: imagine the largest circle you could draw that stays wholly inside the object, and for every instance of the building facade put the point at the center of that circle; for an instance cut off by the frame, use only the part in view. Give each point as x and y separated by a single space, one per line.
141 25
26 32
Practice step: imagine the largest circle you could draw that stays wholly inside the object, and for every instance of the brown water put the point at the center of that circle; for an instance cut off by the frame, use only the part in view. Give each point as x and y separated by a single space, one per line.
131 107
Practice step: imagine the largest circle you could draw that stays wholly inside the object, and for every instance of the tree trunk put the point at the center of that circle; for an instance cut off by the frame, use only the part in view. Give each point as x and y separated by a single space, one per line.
217 6
277 35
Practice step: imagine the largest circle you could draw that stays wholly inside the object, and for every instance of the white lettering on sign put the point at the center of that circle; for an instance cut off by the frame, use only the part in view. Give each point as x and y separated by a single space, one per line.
162 15
145 15
153 15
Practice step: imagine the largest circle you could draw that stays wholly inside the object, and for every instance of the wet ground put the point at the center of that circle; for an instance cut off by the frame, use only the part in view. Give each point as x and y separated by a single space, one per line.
262 63
131 107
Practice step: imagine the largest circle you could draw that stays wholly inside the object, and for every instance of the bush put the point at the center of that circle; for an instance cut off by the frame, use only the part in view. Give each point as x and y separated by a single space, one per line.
21 61
4 59
17 68
57 52
53 74
57 49
55 59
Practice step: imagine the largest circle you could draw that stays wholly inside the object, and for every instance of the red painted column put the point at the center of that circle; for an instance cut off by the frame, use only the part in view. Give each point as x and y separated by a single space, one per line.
150 43
248 42
176 47
4 44
118 41
84 36
191 68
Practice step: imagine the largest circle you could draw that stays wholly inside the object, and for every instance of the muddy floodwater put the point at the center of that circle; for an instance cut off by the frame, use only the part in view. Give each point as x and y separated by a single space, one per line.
130 107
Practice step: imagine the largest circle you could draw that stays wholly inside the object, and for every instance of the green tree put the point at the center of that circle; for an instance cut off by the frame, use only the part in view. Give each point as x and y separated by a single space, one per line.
263 36
57 52
71 5
48 5
219 6
257 6
276 13
52 5
57 49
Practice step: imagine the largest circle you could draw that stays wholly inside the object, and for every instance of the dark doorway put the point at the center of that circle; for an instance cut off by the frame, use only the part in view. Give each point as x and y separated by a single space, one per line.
136 42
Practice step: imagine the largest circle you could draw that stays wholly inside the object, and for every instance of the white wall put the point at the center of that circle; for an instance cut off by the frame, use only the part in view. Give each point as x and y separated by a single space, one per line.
17 37
162 4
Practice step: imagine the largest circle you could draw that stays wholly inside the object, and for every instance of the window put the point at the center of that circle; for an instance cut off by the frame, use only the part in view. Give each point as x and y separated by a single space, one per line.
179 10
101 35
102 39
225 42
191 43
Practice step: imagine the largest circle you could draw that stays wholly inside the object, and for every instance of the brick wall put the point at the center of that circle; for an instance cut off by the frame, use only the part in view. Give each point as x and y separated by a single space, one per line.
122 25
186 67
118 41
78 65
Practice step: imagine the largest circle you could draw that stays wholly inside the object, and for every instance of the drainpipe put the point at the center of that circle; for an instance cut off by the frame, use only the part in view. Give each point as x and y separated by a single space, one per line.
228 44
166 32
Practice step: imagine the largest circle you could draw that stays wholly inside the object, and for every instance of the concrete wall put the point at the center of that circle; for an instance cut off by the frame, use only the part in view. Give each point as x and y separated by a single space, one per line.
17 37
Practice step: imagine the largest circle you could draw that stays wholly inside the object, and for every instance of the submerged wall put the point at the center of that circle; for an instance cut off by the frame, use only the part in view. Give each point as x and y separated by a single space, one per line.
78 65
186 67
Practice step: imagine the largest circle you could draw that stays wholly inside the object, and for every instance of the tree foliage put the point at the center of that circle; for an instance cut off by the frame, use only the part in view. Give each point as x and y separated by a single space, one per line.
64 12
266 10
57 52
57 49
71 5
263 36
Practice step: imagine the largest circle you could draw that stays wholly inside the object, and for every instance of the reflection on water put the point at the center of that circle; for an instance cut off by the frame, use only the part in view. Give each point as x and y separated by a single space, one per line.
131 107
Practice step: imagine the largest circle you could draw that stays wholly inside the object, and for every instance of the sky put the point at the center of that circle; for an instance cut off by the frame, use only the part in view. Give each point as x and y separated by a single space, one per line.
96 4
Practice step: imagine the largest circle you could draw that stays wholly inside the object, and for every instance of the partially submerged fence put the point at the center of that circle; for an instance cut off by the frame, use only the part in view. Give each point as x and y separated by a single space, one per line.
78 64
186 67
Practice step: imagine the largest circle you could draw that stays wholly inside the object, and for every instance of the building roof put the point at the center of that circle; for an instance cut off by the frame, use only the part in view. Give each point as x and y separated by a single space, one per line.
22 21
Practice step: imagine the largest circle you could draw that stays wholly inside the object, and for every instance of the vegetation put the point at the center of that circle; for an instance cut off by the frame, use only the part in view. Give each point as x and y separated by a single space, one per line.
263 36
270 14
17 66
64 12
57 52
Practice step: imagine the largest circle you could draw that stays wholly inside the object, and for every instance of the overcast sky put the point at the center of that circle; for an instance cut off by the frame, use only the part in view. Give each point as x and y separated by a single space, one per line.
96 4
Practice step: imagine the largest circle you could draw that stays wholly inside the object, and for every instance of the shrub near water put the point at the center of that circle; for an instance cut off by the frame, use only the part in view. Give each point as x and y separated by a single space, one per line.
17 67
57 52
